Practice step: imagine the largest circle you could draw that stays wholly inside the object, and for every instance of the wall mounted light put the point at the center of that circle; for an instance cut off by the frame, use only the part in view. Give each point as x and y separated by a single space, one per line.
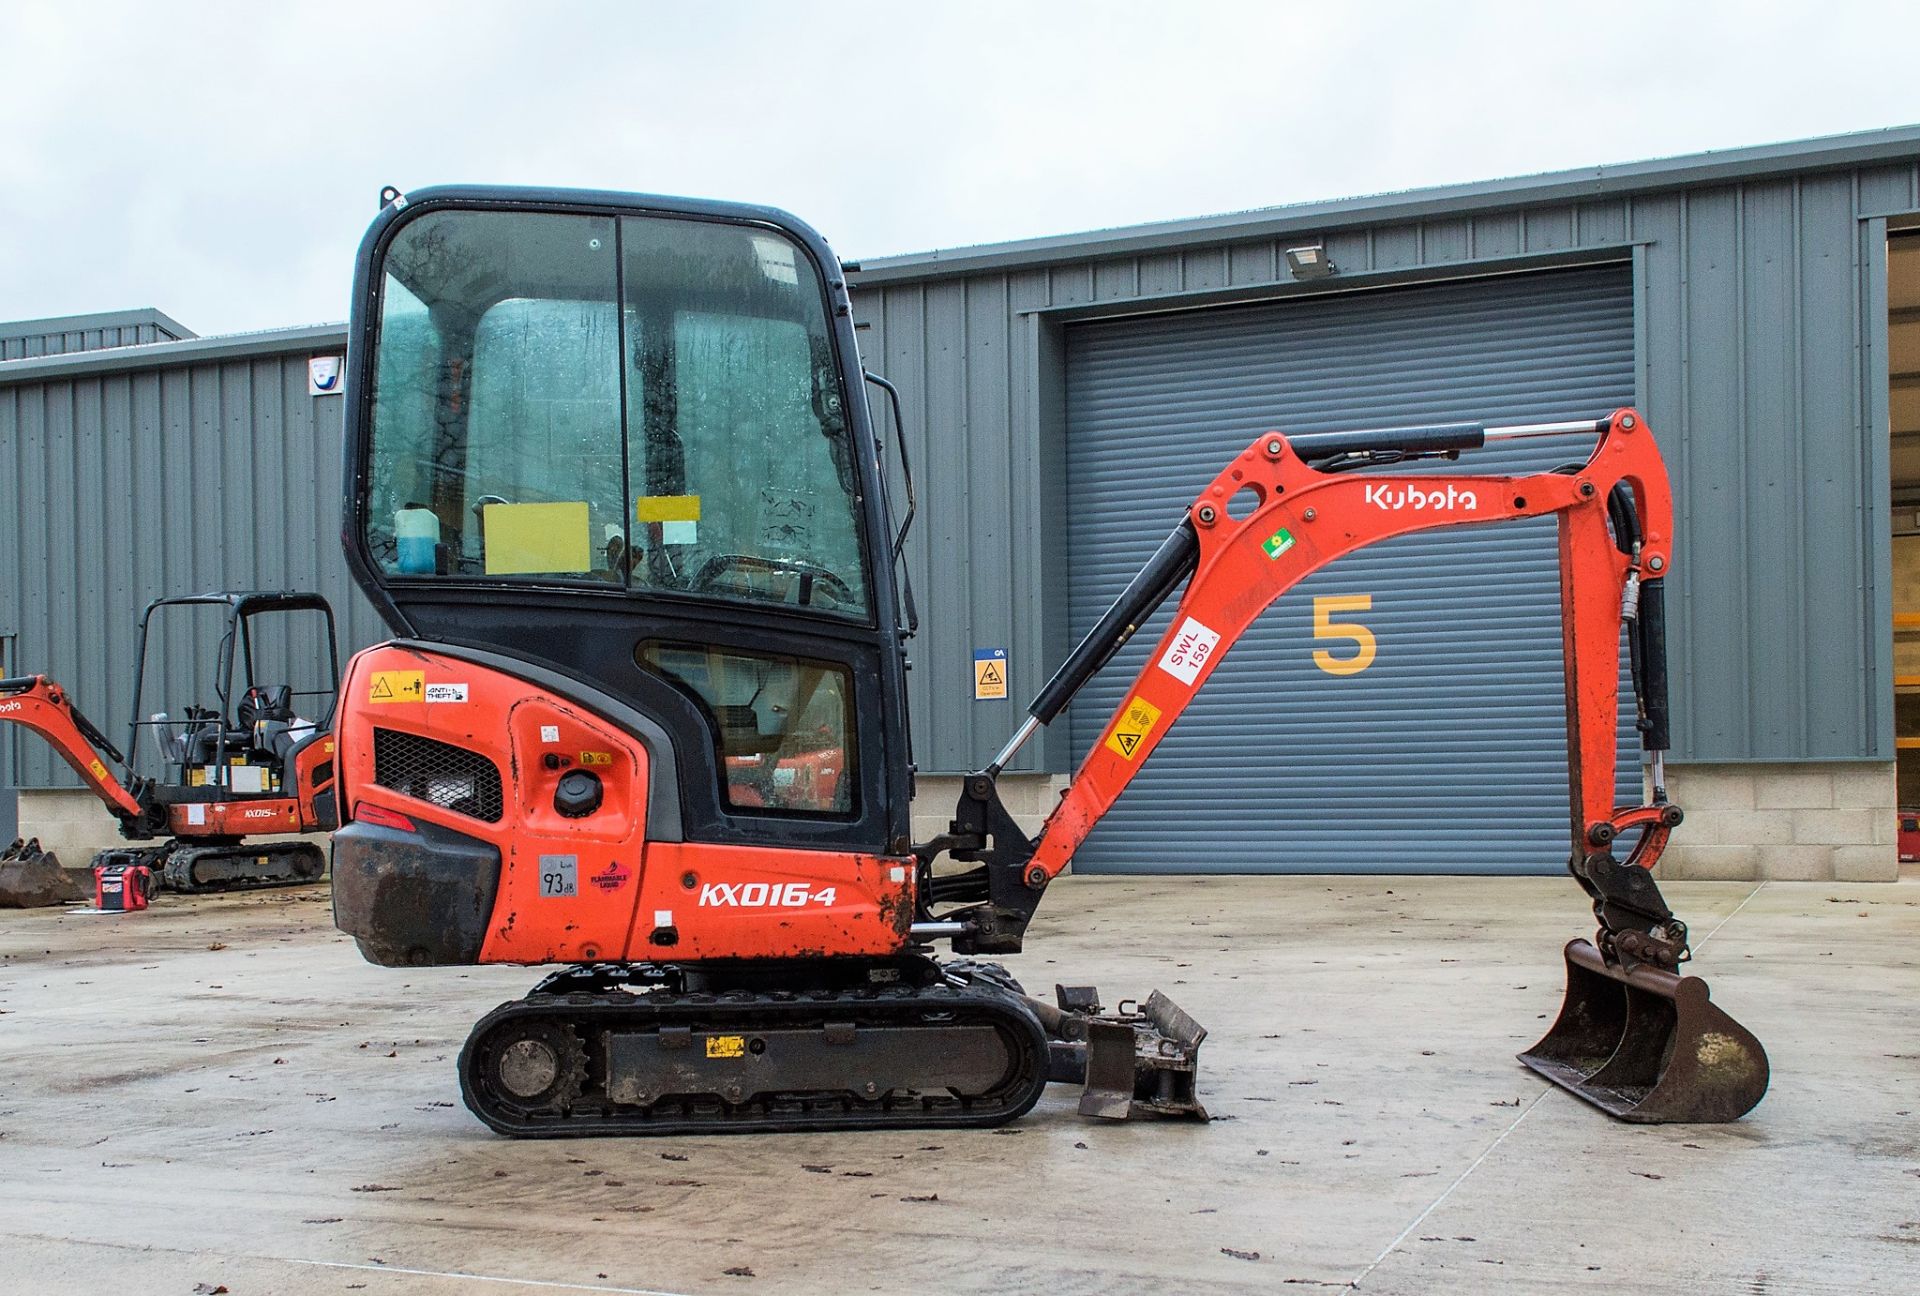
1309 261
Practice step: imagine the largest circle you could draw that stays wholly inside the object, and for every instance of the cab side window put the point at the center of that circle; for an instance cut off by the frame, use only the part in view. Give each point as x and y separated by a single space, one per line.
783 724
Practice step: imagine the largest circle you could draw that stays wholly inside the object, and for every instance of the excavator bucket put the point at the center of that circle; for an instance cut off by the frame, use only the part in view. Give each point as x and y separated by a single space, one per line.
31 878
1647 1045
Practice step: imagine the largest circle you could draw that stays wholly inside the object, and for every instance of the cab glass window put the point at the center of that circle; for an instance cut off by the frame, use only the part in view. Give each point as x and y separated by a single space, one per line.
649 403
496 430
783 724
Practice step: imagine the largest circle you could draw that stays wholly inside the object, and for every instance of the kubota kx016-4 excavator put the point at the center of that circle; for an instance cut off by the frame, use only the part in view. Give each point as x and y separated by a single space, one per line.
233 761
614 482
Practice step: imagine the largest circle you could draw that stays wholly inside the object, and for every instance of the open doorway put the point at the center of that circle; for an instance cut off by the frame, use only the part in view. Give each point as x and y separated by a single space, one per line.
1903 351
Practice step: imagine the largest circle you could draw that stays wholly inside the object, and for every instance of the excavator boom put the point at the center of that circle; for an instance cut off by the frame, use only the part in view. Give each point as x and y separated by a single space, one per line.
43 706
1628 1014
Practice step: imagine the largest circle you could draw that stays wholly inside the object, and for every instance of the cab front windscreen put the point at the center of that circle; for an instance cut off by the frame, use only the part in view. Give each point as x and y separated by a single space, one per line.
649 403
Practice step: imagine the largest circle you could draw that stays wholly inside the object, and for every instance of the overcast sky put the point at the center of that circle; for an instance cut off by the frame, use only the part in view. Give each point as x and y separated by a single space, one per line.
220 161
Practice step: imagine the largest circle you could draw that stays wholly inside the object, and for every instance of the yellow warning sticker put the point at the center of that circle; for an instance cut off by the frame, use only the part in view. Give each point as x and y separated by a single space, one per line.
99 770
726 1046
667 508
596 758
989 673
398 686
1133 726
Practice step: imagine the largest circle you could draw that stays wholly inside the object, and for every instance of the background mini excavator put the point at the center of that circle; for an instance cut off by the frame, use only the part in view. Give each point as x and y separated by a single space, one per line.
248 754
614 483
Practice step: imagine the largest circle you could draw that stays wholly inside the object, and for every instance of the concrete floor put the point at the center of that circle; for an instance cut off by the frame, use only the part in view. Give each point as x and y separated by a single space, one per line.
220 1092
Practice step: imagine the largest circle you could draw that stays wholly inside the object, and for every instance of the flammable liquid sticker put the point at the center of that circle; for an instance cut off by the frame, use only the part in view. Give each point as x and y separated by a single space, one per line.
1133 726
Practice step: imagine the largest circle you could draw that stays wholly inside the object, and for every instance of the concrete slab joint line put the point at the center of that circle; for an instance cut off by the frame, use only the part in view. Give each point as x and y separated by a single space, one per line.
1434 1205
1525 1112
484 1278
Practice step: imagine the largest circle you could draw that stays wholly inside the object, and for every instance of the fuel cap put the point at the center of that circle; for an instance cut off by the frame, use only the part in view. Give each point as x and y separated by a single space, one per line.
578 794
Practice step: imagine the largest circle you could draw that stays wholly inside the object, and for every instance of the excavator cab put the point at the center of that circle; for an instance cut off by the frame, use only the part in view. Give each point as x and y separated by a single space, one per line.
625 441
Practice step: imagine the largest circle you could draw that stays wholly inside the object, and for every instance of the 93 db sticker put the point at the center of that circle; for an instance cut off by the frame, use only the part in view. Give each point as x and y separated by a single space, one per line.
559 875
1133 726
1191 649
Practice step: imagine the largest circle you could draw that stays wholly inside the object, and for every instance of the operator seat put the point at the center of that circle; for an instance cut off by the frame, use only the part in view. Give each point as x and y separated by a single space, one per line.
273 730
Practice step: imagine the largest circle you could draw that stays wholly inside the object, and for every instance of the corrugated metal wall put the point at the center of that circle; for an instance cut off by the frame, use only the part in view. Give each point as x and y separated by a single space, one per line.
163 481
1447 753
86 333
1756 351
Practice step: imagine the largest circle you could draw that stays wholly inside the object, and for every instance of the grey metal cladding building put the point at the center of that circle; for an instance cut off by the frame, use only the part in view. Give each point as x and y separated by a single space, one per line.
146 470
1740 299
27 339
1067 396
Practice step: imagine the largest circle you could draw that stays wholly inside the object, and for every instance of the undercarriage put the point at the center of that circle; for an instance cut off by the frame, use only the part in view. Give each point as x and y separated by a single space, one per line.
192 867
840 1044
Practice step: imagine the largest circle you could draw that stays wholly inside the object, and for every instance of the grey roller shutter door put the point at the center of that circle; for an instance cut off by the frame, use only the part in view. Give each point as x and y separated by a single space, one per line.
1448 753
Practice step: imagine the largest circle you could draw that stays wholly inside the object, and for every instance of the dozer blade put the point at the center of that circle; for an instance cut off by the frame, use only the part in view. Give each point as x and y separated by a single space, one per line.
1139 1058
1647 1045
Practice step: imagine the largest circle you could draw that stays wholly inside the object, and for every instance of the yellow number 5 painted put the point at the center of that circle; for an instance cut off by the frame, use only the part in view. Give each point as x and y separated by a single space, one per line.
1325 627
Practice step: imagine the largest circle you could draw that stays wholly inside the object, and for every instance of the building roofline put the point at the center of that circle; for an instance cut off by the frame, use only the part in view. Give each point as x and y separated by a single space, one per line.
1582 184
158 355
95 320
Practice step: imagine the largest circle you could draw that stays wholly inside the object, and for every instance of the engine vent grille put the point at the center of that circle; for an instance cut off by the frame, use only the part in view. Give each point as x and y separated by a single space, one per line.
439 773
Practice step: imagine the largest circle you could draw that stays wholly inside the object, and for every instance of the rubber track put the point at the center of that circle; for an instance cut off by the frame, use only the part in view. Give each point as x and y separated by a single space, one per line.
591 1115
285 867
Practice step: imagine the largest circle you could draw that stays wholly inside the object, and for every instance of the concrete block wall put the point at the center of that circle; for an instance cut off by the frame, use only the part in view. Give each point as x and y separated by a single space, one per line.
1791 823
1029 798
70 822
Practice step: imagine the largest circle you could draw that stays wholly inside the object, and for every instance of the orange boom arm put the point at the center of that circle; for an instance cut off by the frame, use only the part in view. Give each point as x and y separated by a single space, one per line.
1306 519
1616 525
43 706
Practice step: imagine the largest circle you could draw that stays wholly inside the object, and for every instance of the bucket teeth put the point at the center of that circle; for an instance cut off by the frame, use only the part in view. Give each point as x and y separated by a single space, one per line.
1648 1045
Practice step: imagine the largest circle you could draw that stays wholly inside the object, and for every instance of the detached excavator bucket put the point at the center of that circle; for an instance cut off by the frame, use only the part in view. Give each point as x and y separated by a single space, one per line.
1647 1045
31 878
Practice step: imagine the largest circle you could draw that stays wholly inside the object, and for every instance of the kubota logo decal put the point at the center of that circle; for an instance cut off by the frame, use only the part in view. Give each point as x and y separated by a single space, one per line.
1412 497
763 895
12 706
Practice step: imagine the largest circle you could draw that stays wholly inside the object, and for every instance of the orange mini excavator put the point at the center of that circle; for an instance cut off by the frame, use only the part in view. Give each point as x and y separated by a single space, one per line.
232 761
614 482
